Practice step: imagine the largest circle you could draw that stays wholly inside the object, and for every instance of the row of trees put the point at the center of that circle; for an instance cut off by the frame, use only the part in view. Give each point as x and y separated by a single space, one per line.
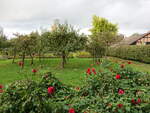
63 39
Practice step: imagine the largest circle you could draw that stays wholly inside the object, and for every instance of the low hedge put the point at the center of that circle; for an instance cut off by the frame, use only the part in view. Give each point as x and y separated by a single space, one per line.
137 53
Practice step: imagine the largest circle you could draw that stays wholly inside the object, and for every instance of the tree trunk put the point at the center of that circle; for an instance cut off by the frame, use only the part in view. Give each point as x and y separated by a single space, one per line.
63 59
39 54
23 58
13 61
31 59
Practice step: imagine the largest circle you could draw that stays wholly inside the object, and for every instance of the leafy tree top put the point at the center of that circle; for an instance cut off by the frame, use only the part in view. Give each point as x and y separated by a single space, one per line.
64 38
102 25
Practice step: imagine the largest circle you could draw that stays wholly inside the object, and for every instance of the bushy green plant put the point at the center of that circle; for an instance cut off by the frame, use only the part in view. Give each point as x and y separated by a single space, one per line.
27 96
114 88
82 54
106 93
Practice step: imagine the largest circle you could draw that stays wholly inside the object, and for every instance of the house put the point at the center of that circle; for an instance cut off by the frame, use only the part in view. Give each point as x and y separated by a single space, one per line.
143 39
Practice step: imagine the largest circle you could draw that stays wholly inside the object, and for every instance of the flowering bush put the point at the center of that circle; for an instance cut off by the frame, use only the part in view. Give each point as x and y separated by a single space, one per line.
122 90
27 96
34 70
1 88
113 90
20 64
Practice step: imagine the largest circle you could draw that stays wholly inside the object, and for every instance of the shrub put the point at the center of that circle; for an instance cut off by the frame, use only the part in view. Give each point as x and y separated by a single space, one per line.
82 54
103 92
137 53
106 94
27 96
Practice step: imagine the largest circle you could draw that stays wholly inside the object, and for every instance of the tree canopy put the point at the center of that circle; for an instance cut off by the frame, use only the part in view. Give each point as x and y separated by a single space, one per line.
64 39
104 34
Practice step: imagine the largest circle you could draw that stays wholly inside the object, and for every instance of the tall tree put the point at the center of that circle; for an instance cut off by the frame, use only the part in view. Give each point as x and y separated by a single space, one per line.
101 25
104 34
64 39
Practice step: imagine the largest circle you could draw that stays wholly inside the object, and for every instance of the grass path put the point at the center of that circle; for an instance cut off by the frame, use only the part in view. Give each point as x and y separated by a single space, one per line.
136 65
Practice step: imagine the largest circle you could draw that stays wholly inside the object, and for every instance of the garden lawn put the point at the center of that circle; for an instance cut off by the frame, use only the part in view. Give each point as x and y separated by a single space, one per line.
73 73
139 66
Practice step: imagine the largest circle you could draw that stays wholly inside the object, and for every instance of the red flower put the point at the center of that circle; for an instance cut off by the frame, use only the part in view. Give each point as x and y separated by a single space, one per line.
1 86
94 71
138 100
129 62
77 88
34 70
50 90
97 63
1 91
20 63
71 110
121 91
133 101
88 71
122 65
118 76
120 105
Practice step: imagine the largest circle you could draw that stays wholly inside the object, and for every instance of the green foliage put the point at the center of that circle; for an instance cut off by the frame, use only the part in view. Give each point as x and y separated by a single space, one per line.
102 25
100 93
4 43
64 39
29 96
104 34
137 53
80 54
96 48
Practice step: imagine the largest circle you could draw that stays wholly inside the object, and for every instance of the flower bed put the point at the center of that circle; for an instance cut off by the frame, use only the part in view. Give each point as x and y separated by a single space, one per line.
114 88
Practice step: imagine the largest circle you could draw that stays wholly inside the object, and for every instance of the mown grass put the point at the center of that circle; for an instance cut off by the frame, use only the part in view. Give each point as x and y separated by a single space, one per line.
73 74
136 65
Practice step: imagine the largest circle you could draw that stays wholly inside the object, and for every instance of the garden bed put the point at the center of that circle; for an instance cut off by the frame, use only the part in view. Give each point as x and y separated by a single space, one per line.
114 87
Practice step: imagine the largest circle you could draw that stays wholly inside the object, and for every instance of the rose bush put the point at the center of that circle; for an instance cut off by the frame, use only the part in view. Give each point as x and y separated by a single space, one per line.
115 88
28 96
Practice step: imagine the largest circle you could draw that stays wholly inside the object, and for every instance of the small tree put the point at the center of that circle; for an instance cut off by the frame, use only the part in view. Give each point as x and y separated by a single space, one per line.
25 45
64 39
96 48
4 44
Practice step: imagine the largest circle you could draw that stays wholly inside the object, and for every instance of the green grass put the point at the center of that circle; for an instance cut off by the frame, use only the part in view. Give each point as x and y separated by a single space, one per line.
73 74
136 65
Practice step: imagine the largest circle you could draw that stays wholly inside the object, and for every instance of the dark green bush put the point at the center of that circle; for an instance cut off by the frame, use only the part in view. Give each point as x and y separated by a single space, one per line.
137 53
27 96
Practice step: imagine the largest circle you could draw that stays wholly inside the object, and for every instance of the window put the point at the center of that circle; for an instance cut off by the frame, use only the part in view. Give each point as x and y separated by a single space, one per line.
147 43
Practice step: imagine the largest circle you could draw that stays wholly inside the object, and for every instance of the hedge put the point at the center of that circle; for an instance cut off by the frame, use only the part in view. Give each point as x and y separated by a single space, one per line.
137 53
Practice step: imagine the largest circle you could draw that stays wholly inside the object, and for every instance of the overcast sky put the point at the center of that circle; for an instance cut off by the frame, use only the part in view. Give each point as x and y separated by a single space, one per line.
26 15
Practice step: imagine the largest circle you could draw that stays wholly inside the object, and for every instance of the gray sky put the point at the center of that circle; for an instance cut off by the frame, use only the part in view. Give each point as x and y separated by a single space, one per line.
26 15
